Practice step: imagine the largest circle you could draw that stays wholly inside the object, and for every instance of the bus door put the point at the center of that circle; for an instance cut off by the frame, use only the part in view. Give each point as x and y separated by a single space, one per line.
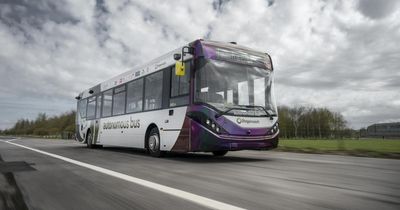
177 104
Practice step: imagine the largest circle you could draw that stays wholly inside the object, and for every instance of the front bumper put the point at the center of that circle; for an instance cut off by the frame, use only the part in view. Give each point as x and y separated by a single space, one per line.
204 140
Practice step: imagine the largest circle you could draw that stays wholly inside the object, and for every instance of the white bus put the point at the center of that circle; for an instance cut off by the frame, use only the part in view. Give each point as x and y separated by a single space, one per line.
206 96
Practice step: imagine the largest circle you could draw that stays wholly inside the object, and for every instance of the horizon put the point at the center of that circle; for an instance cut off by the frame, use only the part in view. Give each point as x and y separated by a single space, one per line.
338 55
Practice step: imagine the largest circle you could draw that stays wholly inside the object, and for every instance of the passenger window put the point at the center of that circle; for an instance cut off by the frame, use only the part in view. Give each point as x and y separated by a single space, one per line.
180 84
107 102
180 87
179 101
153 91
134 101
82 108
91 108
98 106
119 100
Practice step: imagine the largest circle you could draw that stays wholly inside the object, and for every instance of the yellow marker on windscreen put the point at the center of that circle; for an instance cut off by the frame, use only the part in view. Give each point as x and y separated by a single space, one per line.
179 68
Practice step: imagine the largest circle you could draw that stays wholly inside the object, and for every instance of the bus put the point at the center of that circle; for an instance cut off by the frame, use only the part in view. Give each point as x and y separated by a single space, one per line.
206 96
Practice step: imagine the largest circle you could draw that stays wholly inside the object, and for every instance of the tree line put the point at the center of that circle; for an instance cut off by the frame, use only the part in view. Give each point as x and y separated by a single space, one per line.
61 126
294 122
311 122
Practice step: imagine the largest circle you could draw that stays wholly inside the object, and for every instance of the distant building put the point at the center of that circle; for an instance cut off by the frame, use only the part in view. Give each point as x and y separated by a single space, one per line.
384 130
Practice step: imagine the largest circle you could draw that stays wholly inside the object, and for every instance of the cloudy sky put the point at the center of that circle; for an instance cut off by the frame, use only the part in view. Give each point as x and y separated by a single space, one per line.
344 55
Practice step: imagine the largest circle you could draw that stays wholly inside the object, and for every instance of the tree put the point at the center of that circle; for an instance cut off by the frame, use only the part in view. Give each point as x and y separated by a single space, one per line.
310 122
295 114
43 125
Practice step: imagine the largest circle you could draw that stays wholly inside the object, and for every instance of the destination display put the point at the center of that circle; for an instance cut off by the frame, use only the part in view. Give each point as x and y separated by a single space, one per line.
243 58
238 54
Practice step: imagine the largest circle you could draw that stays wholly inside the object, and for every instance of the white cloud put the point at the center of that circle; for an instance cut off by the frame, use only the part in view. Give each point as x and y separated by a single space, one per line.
337 54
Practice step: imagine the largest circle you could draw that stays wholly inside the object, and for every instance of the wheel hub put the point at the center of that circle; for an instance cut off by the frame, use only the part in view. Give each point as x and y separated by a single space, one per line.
153 143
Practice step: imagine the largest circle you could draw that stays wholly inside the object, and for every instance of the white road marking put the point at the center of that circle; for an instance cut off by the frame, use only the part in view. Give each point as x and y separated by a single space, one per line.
203 201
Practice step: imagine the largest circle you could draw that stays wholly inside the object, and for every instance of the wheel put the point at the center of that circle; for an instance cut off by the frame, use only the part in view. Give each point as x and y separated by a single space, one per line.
153 143
89 138
219 153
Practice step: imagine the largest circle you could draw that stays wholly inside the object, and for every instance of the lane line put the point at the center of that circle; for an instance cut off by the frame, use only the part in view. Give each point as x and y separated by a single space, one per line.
203 201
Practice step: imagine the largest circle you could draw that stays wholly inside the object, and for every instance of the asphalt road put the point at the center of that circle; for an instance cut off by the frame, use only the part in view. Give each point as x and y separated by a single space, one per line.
245 179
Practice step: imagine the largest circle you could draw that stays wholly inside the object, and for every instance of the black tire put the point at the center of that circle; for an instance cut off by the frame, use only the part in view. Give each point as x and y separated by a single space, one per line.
89 143
153 143
219 153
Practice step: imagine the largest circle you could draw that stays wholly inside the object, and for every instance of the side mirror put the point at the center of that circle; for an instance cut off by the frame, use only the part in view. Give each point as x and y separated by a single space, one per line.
180 68
177 56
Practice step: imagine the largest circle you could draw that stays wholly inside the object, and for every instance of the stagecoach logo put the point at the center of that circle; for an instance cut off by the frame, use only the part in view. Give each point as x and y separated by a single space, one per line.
242 120
122 124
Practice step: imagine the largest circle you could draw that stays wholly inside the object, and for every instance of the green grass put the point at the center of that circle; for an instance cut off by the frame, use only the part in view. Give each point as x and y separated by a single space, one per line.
364 147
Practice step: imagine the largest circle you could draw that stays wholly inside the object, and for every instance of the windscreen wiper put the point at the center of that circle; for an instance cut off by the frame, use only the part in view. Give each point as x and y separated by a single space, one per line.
254 106
228 110
244 107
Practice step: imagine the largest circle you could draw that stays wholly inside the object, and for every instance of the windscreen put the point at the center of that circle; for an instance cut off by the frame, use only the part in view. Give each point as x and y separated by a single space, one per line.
235 88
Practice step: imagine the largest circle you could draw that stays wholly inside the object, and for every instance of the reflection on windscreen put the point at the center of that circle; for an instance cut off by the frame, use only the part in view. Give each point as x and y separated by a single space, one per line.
226 85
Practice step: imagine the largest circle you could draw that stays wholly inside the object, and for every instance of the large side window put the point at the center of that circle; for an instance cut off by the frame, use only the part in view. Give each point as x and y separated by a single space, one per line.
107 103
180 87
180 84
82 108
153 91
91 108
98 106
119 100
134 100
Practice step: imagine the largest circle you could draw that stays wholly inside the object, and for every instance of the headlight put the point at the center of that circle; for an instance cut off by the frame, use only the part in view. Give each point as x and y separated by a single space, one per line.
212 125
273 129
